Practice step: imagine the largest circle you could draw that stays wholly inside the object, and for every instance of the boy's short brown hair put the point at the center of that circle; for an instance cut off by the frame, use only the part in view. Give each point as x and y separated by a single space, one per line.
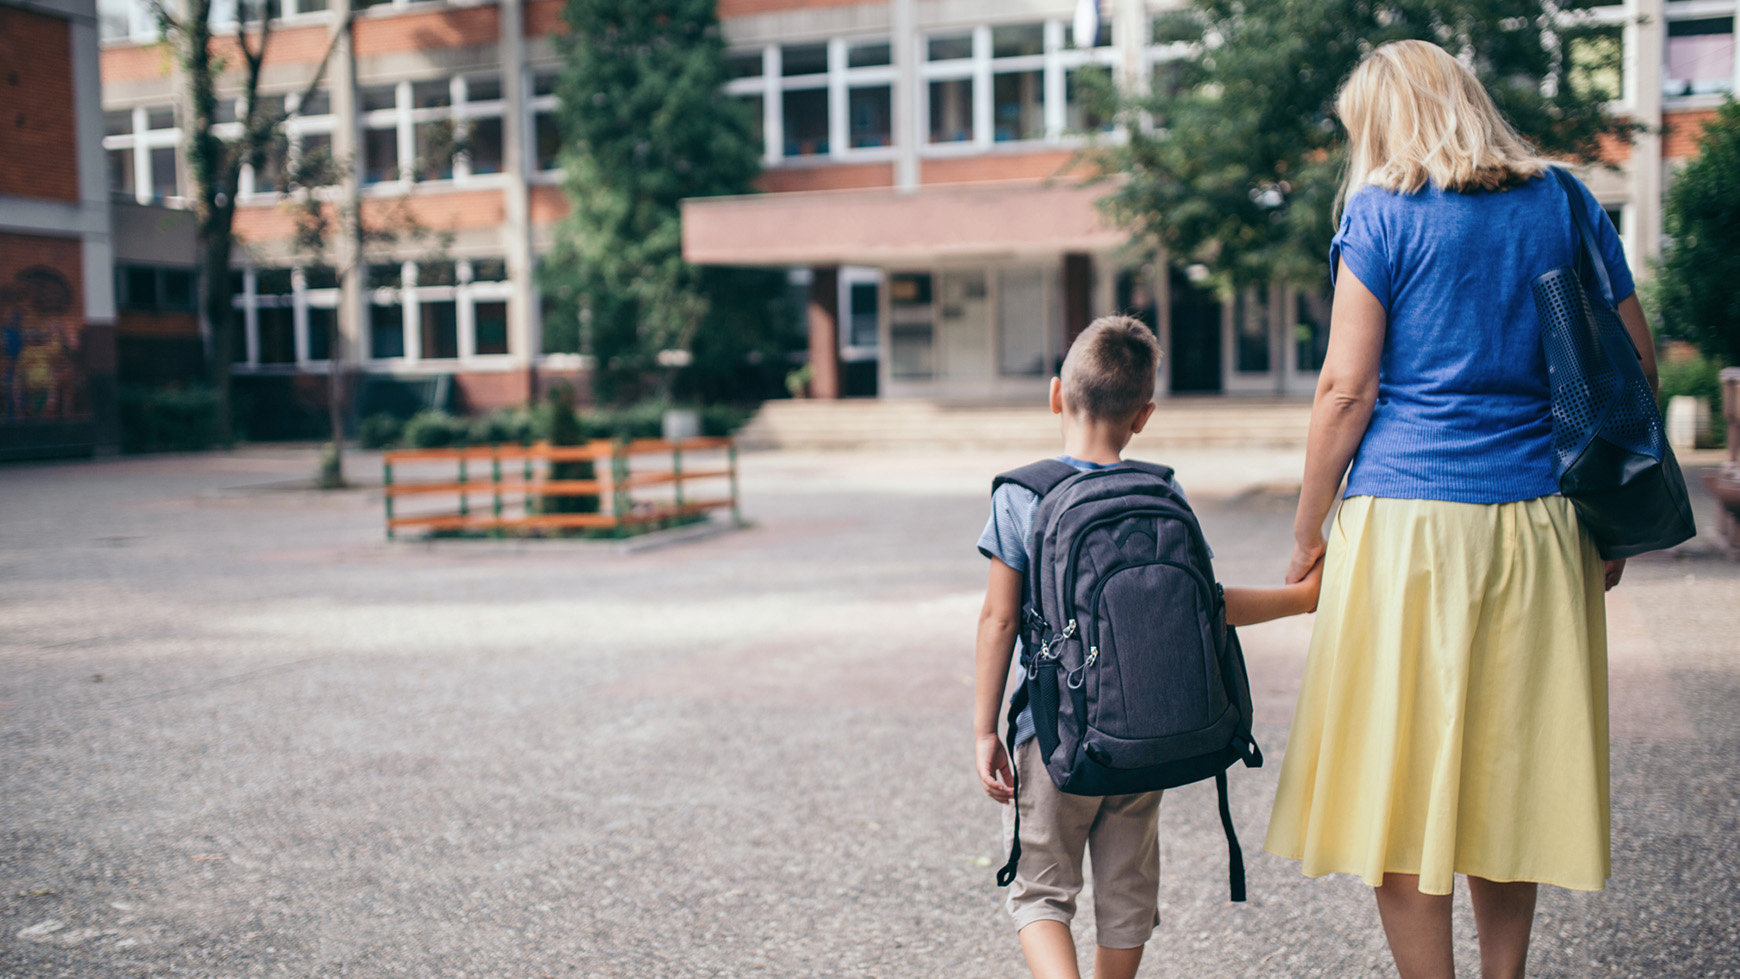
1109 372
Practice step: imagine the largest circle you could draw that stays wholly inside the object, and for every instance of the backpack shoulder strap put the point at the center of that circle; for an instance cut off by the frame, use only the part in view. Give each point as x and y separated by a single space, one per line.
1039 477
1152 468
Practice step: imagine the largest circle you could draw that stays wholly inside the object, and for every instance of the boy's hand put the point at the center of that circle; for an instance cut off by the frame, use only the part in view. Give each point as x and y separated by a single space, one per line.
993 764
1313 582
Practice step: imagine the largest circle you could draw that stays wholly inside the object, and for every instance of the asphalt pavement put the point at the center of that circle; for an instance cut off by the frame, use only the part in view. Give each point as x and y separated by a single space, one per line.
241 734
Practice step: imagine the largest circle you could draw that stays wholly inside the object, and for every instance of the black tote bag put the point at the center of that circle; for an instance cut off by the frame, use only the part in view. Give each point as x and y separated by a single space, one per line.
1609 446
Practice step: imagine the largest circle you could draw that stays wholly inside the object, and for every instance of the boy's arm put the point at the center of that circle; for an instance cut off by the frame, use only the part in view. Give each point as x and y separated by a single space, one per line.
998 621
1248 606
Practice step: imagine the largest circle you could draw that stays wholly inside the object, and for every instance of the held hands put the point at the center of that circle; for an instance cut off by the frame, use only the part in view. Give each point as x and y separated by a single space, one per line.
1612 571
1307 554
993 767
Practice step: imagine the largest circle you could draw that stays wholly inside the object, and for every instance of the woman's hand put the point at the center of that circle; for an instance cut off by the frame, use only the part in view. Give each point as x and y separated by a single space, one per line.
1613 571
993 765
1307 552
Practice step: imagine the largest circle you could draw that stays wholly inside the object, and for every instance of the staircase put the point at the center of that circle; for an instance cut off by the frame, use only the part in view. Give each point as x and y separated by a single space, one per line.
1205 422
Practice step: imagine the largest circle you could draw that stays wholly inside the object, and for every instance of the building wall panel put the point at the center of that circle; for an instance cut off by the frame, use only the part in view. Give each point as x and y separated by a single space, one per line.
741 8
544 17
36 125
1024 166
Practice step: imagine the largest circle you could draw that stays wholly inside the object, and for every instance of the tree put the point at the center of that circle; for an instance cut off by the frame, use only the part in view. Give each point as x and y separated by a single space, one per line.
214 165
335 229
1702 218
1234 157
645 123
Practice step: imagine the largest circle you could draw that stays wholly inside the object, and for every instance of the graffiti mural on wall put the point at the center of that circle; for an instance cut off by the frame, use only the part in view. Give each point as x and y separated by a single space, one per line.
40 330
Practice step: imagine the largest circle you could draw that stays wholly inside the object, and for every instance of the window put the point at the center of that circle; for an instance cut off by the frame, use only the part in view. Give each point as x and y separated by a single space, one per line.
275 316
806 122
870 111
1251 331
832 99
141 145
440 329
910 327
322 323
546 125
1081 115
491 326
949 47
1311 335
386 330
951 110
1017 105
380 138
863 312
1700 57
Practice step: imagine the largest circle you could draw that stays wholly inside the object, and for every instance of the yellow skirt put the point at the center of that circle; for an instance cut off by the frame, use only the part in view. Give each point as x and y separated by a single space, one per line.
1453 715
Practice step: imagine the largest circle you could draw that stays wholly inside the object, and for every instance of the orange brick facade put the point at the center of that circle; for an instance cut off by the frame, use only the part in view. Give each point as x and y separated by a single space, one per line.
1681 132
851 176
1027 166
38 142
44 363
421 31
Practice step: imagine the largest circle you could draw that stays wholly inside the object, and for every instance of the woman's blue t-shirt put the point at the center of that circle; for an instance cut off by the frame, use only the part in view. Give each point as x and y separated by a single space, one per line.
1463 411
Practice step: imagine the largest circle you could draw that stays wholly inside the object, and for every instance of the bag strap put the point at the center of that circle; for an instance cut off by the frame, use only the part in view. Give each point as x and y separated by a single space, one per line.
1235 855
1569 184
1039 477
1017 703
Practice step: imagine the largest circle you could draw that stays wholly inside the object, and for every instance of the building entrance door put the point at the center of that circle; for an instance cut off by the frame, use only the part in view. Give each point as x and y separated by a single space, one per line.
1195 353
964 324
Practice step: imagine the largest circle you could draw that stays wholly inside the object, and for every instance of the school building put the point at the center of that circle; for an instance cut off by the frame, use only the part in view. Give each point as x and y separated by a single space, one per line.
916 179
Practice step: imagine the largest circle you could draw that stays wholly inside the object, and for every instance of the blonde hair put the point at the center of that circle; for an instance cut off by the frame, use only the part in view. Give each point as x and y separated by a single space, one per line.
1110 370
1416 115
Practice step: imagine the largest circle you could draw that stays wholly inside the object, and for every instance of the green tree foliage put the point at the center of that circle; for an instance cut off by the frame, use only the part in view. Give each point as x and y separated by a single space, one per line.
1702 216
1234 157
645 124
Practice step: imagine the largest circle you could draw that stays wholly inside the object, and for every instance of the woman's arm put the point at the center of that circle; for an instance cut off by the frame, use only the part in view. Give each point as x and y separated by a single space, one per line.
1346 394
1637 327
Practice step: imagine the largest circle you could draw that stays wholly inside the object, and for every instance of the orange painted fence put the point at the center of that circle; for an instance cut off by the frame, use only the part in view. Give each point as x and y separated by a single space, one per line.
496 489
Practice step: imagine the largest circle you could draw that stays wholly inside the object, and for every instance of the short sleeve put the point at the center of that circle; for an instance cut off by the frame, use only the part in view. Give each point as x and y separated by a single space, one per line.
1010 525
1608 244
1360 243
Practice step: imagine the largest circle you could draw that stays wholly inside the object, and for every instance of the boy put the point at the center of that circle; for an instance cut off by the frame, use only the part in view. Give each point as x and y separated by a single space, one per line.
1105 395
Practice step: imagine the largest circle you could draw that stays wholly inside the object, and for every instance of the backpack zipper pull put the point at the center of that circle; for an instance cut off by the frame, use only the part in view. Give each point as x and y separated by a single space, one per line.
1093 654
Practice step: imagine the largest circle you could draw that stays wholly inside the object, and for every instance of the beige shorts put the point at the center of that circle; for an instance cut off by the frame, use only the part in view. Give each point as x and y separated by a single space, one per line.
1120 831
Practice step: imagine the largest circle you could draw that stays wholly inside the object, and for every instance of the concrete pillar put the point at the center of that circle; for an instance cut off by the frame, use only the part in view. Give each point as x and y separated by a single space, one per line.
904 24
524 343
1645 41
824 313
1078 287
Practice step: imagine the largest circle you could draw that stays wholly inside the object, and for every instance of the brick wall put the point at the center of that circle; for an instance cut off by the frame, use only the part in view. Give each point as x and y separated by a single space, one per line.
43 361
435 29
544 17
481 392
143 324
453 210
1681 132
38 141
288 46
1026 166
849 176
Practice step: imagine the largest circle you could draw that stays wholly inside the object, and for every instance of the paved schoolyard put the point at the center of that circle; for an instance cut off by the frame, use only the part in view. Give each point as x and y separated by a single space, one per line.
241 735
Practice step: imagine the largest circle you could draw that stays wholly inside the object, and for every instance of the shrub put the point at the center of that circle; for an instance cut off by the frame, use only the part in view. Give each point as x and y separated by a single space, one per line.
1696 377
169 419
379 431
435 429
505 425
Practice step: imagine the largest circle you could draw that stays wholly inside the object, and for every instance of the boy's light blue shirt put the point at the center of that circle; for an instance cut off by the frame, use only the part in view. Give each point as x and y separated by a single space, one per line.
1006 536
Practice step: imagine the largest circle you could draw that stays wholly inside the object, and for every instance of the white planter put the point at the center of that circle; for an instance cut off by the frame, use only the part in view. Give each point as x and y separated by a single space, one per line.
681 423
1688 422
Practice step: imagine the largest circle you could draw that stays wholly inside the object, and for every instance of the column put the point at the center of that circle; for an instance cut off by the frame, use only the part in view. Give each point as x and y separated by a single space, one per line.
1078 287
524 343
824 315
1645 38
907 92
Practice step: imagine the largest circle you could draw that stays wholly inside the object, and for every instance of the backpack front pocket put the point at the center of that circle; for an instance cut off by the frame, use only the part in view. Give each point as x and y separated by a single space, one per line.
1148 672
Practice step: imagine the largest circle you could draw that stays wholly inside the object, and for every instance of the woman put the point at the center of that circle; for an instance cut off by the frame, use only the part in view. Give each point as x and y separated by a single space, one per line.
1453 715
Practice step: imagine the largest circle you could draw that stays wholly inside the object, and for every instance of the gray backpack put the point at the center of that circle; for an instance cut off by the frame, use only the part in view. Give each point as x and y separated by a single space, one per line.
1136 681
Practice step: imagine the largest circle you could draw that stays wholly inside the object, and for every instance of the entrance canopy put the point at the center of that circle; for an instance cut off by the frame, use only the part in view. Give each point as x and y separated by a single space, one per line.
886 227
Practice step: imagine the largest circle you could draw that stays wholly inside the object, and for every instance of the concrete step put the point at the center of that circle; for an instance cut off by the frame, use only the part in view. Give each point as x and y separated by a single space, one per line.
876 424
